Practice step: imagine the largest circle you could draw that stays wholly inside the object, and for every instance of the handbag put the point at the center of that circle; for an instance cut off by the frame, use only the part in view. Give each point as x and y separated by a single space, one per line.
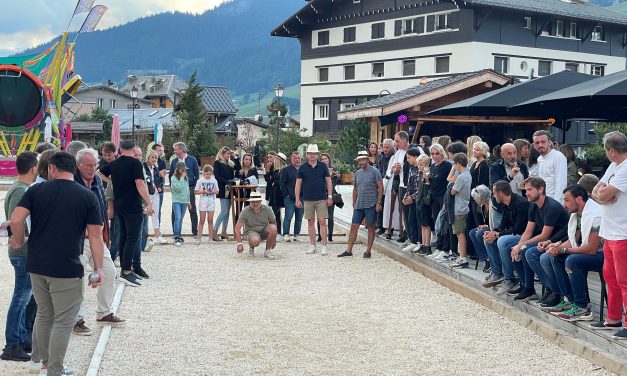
337 200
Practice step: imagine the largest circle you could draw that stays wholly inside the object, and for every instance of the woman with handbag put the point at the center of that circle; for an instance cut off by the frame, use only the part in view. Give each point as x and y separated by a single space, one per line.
224 172
335 180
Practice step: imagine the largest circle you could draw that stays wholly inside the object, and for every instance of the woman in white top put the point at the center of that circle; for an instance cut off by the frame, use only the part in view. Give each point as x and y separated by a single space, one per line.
151 168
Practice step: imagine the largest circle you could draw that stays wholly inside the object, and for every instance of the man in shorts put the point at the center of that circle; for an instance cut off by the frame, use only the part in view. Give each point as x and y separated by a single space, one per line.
259 224
314 181
367 202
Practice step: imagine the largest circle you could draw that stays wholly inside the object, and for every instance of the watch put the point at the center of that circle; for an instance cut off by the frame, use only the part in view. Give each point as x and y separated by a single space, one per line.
564 250
523 247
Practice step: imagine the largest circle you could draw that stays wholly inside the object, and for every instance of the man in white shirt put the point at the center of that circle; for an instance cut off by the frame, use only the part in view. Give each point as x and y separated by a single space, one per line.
552 164
611 193
391 208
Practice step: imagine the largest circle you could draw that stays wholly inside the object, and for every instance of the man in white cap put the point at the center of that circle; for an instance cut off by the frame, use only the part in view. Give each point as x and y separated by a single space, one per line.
314 180
259 224
367 202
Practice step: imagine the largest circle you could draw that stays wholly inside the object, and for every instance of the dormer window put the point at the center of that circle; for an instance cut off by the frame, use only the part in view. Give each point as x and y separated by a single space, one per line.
597 34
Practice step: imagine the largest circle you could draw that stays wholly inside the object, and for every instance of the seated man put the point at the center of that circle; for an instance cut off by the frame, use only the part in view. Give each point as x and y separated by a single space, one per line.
500 241
548 223
259 224
567 264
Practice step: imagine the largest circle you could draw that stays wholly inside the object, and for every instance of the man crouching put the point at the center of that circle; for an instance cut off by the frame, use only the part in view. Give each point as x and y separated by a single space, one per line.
259 224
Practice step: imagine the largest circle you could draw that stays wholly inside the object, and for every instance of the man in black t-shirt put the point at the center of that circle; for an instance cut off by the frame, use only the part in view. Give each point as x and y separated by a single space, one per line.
60 212
129 189
548 223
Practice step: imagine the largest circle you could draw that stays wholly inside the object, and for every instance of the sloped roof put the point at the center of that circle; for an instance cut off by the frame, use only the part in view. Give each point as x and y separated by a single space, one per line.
86 89
86 127
144 118
162 85
217 100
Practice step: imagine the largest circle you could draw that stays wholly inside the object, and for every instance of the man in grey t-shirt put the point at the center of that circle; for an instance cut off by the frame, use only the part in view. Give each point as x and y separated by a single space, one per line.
367 202
259 223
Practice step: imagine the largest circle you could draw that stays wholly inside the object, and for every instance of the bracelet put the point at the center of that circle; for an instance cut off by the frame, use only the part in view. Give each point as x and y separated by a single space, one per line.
240 244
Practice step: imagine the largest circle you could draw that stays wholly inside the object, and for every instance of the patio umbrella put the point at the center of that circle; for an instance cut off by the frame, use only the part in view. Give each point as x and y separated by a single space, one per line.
48 130
158 133
601 98
115 131
68 133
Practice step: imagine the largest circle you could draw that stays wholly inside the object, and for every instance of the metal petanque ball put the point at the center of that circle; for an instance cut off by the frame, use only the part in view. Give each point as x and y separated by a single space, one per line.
94 277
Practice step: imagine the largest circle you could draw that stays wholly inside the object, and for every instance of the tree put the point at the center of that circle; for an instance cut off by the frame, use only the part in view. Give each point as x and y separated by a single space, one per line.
100 115
195 130
353 140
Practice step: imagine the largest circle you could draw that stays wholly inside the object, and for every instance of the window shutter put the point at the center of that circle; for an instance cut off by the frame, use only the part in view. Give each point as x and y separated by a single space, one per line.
430 23
382 30
419 25
453 20
398 25
374 31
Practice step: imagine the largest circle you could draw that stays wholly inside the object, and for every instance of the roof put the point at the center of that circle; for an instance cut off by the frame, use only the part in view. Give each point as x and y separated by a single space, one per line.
84 89
86 126
576 9
217 99
156 86
419 94
146 119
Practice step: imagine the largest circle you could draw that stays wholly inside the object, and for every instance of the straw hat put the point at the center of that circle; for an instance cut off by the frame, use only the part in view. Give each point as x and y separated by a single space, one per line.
281 156
312 148
361 154
255 196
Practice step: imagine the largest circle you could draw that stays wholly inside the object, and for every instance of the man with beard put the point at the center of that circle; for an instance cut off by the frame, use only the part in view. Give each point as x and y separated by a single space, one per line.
509 168
548 223
382 166
553 166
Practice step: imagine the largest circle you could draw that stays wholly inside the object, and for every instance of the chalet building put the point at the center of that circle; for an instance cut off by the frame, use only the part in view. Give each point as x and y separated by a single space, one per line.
353 51
164 91
107 97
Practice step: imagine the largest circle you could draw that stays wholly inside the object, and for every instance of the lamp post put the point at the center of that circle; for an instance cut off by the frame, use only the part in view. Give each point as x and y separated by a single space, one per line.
134 96
278 92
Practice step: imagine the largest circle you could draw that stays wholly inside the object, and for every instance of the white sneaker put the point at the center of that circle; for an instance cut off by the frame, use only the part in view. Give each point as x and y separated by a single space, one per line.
417 247
149 245
435 254
279 238
409 247
287 238
324 251
34 367
311 250
198 241
161 240
177 243
443 257
251 252
269 255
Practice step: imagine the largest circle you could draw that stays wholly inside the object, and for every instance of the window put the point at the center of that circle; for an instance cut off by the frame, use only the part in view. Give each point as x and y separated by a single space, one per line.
377 70
323 38
349 34
100 102
322 112
408 26
349 72
409 67
323 74
544 68
573 30
112 103
440 21
573 67
559 28
500 64
527 22
597 34
442 64
346 106
597 70
378 30
162 102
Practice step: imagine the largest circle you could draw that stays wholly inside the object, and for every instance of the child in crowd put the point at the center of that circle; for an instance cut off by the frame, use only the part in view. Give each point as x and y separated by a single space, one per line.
180 199
423 207
461 191
207 189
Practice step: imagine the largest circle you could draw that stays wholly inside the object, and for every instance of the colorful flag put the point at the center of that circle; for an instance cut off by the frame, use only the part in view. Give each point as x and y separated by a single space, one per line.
94 16
83 6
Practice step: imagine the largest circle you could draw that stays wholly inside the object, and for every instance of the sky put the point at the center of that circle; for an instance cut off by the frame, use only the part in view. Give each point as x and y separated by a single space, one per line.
33 22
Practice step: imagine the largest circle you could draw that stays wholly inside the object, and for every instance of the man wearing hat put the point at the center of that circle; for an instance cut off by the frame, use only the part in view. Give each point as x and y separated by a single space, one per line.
314 181
259 224
367 202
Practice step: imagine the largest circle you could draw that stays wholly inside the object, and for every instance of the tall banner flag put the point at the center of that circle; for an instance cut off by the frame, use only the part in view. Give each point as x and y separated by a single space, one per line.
83 6
95 14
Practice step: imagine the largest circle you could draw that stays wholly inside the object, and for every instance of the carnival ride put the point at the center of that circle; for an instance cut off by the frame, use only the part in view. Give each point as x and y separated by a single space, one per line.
34 88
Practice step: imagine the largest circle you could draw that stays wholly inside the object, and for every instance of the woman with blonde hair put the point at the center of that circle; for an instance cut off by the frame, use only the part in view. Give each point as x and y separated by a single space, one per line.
275 197
470 142
151 167
223 172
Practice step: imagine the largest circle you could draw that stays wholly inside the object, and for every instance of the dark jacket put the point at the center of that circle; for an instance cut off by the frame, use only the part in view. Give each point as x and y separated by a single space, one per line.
287 181
480 175
275 199
269 177
193 172
498 172
438 177
382 164
98 188
515 216
224 175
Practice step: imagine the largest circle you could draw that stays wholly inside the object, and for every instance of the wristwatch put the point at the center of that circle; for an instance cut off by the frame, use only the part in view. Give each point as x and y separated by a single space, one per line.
564 250
379 203
523 247
329 197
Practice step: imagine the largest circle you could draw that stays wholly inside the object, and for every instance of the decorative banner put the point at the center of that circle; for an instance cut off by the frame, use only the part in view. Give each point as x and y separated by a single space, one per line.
402 119
93 18
83 6
48 130
115 131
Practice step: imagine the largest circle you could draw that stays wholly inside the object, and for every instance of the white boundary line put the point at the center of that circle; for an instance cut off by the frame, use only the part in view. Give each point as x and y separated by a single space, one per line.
94 365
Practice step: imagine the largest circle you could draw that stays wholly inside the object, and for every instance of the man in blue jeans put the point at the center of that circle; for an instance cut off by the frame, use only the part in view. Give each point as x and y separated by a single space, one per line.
548 223
287 183
567 264
18 342
367 203
500 241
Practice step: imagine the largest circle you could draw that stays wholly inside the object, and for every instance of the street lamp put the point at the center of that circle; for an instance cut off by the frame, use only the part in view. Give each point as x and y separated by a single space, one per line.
134 96
278 92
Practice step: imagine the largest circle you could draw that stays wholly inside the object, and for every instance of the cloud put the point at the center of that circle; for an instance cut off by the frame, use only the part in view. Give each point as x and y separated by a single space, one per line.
22 27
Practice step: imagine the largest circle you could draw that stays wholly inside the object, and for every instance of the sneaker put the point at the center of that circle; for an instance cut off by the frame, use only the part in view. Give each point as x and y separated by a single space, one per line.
112 320
216 237
198 241
563 306
409 248
621 334
603 325
493 280
267 254
526 295
15 353
402 238
546 295
195 236
129 279
367 254
251 252
460 263
487 268
34 368
505 287
43 371
279 238
295 238
424 251
324 251
551 301
515 290
138 277
177 242
435 254
141 272
345 254
80 329
443 257
287 238
67 372
311 250
149 245
161 240
577 313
